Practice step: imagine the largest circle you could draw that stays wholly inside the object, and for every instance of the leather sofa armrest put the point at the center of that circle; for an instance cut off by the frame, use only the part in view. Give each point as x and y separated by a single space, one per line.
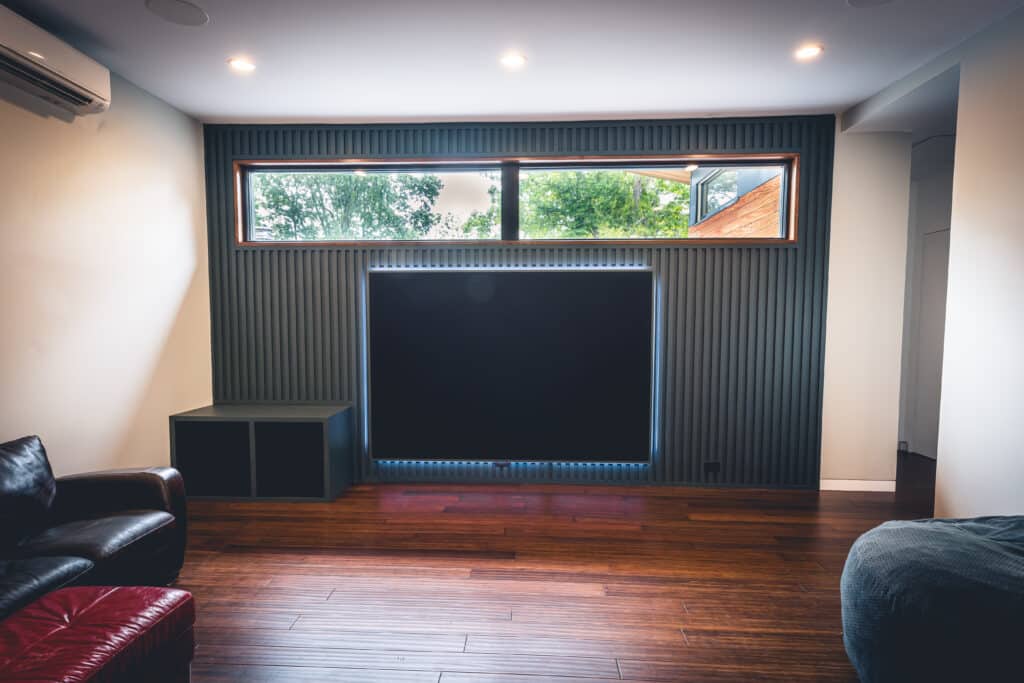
154 488
96 493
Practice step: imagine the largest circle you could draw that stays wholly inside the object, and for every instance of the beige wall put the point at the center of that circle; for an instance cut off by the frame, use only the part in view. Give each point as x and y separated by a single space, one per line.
864 323
981 430
103 278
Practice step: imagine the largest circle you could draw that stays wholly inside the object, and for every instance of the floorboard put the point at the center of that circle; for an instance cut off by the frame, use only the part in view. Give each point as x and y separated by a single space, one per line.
527 584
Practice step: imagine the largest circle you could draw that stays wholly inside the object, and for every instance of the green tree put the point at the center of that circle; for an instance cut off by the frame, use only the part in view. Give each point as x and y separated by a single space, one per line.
486 224
605 204
344 206
610 203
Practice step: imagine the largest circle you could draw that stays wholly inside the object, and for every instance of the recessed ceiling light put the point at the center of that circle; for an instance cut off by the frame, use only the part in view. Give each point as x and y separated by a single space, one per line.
33 53
513 60
178 12
807 52
241 64
691 168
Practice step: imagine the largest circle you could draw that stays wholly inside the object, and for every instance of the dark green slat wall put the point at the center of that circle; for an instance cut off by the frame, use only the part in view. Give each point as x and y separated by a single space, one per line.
742 329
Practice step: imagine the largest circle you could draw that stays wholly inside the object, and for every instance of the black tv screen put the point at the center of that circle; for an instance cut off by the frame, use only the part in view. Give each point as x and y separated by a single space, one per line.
528 365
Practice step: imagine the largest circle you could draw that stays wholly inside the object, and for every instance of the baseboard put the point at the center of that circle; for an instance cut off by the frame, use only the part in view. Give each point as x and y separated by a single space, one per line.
857 485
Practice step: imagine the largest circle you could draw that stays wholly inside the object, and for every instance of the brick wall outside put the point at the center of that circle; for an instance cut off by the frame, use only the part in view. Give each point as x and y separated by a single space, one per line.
755 214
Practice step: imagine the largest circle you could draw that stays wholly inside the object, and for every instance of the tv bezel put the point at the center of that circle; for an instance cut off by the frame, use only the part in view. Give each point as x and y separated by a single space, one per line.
365 363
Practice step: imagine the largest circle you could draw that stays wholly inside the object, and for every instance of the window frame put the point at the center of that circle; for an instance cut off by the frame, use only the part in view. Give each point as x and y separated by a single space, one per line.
700 189
509 168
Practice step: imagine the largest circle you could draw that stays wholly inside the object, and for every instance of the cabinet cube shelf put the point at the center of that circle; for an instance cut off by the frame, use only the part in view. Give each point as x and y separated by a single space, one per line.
283 451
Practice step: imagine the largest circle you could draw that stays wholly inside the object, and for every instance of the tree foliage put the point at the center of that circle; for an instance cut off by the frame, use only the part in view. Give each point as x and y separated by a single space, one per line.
312 206
486 224
345 206
604 203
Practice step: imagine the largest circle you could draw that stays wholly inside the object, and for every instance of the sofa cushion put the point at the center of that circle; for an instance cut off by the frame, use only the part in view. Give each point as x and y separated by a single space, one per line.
27 488
24 580
97 634
118 544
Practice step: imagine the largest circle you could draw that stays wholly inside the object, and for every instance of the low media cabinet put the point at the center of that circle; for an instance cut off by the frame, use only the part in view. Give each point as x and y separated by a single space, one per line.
285 451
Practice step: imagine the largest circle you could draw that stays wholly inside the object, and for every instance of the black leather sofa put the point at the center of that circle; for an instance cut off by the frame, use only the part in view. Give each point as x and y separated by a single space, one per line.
121 527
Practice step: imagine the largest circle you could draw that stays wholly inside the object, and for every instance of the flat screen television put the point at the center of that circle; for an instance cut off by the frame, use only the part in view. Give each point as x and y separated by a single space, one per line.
510 365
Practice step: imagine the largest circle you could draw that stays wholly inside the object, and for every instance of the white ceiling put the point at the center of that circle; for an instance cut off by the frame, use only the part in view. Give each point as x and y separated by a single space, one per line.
926 111
417 60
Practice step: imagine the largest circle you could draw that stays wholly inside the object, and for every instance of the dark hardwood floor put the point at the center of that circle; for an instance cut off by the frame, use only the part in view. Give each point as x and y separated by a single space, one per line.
526 584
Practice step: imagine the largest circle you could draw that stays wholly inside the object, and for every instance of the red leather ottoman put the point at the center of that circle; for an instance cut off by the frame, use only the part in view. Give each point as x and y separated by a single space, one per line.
100 635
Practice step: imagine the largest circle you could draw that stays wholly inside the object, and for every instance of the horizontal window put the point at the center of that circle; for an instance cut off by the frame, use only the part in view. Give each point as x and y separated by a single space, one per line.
685 199
372 204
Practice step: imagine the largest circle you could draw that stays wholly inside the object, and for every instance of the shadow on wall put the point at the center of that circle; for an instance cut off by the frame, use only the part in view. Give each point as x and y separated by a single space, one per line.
182 365
33 105
103 278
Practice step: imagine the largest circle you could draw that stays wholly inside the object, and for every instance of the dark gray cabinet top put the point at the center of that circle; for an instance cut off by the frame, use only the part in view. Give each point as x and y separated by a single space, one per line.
265 411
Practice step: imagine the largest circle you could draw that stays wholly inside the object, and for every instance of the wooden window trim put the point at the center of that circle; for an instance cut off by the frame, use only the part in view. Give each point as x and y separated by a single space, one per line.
241 167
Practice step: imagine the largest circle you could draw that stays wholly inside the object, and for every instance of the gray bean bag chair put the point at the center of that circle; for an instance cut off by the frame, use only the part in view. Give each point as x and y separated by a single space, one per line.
936 600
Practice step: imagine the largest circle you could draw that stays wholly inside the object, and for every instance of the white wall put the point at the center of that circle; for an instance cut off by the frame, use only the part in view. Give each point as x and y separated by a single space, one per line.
931 193
103 278
864 324
981 431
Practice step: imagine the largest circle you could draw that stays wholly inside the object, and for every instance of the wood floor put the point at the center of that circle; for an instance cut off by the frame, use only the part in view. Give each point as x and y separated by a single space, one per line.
526 584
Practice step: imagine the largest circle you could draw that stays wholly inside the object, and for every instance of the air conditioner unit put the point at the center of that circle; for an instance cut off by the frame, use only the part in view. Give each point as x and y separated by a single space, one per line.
35 61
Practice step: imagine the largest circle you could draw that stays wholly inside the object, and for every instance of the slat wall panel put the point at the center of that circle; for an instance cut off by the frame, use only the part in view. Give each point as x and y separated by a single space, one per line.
741 329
